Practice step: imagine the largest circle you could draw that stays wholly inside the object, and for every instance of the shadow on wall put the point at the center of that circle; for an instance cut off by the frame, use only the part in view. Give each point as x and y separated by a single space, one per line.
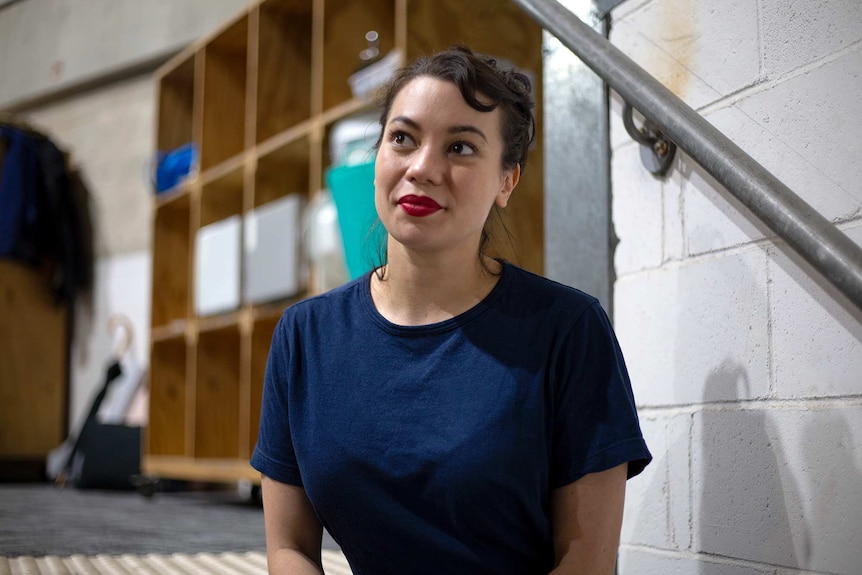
750 506
777 484
714 217
750 229
834 484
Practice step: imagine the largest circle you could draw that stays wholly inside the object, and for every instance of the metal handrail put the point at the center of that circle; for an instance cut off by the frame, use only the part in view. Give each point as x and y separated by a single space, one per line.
814 237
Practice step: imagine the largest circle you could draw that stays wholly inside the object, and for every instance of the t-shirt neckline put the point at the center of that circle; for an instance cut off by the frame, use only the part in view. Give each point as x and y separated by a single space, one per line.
437 327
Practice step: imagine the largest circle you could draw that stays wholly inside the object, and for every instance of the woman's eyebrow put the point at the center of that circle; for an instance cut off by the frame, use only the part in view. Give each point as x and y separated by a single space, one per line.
405 120
452 130
471 129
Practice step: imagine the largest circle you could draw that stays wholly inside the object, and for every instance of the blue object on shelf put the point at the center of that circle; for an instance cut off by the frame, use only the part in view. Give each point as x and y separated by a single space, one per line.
352 189
173 166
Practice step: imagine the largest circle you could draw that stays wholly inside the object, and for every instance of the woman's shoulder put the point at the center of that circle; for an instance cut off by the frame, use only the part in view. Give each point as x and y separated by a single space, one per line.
332 303
528 286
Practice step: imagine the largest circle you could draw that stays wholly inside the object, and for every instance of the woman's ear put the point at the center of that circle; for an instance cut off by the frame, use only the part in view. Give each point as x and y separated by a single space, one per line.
510 180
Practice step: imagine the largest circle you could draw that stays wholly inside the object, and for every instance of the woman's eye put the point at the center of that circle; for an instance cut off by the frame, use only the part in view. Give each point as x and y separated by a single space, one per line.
463 149
401 138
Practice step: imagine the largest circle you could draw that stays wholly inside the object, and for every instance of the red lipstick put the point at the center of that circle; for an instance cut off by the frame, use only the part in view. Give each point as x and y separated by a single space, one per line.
418 206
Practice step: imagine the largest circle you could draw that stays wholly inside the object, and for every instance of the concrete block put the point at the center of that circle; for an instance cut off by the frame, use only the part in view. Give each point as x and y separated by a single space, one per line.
652 562
780 486
713 218
685 45
673 205
822 446
819 164
816 333
658 500
636 208
741 503
799 32
626 8
618 135
673 231
806 131
696 332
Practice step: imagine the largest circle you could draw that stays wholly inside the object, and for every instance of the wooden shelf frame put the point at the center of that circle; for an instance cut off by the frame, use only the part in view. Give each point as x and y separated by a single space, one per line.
259 97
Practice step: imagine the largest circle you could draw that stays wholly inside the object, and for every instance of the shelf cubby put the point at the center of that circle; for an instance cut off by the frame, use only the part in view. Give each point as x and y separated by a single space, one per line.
489 26
284 66
216 406
224 96
176 194
345 24
166 433
216 322
176 106
170 288
222 197
283 171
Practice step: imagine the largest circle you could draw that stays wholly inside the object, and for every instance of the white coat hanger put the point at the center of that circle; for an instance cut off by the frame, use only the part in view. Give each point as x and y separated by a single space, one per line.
116 321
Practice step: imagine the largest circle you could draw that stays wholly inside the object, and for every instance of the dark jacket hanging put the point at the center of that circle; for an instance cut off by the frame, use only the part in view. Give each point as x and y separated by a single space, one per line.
43 212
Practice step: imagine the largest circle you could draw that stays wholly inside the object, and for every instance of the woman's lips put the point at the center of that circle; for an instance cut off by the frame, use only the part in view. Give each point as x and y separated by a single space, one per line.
418 206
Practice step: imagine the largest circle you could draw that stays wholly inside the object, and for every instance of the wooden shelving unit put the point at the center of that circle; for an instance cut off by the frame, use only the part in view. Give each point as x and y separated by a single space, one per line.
259 98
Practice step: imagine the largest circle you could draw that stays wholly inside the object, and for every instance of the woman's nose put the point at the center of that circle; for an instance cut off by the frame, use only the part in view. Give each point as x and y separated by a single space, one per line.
425 166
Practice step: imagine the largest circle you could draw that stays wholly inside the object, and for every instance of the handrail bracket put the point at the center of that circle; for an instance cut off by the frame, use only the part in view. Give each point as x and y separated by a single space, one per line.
657 151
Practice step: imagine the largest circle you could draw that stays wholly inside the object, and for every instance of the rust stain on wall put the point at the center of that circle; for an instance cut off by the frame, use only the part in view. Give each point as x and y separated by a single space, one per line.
676 35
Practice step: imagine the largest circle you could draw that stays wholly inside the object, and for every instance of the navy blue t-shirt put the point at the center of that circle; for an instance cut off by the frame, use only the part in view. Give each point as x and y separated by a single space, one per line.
434 449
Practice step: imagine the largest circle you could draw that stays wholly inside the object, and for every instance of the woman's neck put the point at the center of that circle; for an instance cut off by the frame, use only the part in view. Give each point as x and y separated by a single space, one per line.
420 289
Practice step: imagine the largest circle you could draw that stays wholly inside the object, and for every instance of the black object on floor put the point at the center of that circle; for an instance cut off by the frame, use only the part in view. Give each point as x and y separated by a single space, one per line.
102 456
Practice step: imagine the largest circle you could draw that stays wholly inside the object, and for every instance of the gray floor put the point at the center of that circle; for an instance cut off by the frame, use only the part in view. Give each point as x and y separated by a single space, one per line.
39 519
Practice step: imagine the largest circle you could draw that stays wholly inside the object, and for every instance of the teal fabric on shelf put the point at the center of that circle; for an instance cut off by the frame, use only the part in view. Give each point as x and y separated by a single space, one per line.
352 190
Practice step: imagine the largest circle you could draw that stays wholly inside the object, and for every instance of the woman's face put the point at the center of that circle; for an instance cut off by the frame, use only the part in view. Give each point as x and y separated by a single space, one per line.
439 169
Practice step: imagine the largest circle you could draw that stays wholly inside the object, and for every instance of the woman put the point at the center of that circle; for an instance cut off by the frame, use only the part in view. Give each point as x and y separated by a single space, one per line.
447 413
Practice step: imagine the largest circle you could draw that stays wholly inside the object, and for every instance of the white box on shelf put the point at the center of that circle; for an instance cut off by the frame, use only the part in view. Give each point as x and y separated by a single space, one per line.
217 266
273 265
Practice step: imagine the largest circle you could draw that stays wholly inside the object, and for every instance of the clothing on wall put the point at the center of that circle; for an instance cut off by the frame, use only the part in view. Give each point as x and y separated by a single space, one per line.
44 212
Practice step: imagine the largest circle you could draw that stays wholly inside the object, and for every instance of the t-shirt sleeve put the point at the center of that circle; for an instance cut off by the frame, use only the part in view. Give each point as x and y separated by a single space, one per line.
274 455
596 425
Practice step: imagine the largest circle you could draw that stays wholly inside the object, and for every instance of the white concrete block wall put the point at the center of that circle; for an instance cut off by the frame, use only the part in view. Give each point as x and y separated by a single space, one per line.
779 484
663 522
636 189
746 364
829 364
645 562
799 32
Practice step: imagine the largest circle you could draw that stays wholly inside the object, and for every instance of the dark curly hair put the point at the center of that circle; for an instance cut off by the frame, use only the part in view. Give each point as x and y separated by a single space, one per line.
476 75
